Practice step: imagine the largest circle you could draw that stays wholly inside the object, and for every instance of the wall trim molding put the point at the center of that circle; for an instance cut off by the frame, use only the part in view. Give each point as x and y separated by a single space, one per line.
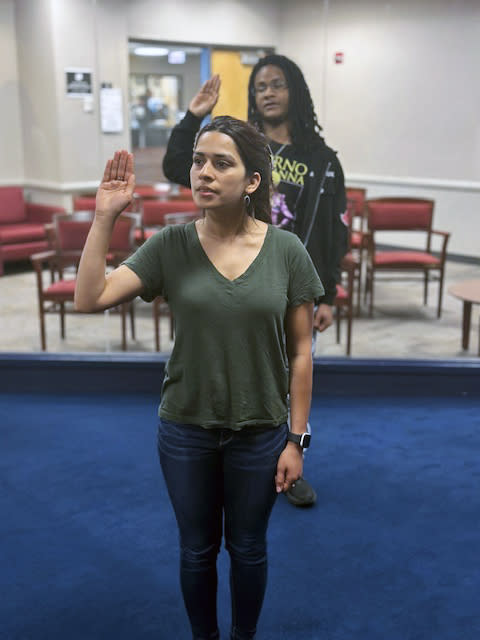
398 181
14 182
47 185
351 179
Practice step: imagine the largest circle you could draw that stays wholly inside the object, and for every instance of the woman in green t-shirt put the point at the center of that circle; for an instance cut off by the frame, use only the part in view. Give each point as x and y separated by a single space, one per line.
242 295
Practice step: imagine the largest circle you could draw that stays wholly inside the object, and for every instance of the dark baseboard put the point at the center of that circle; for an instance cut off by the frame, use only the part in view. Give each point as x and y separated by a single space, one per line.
56 374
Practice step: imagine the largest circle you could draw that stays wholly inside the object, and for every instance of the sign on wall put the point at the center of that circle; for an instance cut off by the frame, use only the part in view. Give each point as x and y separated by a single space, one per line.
111 112
78 82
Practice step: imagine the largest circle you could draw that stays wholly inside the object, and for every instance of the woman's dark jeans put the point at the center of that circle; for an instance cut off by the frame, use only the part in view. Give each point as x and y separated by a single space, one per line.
210 473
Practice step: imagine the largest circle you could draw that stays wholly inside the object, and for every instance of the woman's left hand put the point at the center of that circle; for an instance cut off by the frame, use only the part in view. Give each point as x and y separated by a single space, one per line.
289 467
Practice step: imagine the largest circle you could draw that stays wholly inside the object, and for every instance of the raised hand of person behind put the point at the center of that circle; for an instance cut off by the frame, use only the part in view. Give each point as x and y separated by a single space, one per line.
115 192
206 98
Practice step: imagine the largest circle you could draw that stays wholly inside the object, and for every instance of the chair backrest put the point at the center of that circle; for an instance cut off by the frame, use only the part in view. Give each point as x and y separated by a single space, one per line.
84 203
356 196
12 205
400 214
88 203
158 191
123 236
154 211
71 232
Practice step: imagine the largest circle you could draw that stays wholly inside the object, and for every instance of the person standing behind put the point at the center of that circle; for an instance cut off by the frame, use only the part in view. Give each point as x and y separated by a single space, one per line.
309 195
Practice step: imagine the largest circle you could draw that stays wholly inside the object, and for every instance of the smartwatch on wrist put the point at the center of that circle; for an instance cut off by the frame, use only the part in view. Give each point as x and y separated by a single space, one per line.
302 439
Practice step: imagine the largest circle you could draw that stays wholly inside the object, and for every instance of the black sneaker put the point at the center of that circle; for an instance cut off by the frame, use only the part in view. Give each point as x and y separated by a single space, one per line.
301 494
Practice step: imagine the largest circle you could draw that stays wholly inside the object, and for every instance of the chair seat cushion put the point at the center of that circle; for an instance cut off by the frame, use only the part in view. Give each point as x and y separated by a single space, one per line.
16 233
405 259
63 289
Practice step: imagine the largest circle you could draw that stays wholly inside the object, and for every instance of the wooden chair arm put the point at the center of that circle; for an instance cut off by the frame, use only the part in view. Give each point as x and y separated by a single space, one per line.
446 236
43 257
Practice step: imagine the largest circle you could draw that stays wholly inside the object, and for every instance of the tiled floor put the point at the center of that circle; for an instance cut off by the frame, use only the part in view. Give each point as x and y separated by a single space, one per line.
401 326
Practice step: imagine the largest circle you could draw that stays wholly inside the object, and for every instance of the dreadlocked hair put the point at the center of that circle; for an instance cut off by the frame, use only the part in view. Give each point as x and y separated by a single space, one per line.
256 156
304 127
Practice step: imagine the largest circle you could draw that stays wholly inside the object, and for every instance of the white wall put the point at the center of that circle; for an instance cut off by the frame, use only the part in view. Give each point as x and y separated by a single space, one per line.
402 110
403 107
11 146
37 90
229 22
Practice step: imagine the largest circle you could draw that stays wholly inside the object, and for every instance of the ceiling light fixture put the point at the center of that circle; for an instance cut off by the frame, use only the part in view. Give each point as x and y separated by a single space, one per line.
150 51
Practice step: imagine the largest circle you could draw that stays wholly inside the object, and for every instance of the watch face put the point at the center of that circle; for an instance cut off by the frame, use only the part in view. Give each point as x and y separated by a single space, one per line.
305 440
302 440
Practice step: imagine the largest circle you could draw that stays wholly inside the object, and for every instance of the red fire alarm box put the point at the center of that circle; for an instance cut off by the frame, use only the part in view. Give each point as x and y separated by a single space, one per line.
339 57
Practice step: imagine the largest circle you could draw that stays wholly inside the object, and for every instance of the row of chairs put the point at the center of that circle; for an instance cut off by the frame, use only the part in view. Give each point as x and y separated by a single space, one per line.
55 268
67 236
365 217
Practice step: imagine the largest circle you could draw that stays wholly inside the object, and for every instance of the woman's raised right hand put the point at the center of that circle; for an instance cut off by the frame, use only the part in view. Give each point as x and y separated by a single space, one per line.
115 192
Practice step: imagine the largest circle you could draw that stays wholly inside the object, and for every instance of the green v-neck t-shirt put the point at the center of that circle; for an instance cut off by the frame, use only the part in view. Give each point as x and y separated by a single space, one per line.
228 367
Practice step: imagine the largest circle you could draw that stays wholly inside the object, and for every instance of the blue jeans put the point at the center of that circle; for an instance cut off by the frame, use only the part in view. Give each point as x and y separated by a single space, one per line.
211 475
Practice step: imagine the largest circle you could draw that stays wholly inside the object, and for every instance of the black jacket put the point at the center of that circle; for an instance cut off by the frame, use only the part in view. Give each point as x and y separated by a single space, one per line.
327 242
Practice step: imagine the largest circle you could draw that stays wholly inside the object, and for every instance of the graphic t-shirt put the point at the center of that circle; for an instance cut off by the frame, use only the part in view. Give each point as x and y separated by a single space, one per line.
291 181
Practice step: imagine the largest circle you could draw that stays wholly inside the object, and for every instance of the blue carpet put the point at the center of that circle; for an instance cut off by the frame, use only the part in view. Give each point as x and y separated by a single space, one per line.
88 547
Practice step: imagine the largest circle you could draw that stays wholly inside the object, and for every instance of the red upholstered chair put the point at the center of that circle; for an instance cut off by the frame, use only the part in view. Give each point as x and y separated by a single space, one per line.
22 225
84 203
405 215
183 193
68 234
155 192
357 199
357 236
87 203
343 302
154 212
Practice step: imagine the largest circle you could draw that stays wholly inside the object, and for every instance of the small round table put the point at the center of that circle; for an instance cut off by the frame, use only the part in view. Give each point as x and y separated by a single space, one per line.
469 292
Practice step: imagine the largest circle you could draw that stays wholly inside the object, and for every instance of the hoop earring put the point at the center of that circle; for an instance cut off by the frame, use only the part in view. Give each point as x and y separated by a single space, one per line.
246 199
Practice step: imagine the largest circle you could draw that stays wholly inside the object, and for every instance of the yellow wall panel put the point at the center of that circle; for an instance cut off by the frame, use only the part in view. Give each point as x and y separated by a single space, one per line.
233 91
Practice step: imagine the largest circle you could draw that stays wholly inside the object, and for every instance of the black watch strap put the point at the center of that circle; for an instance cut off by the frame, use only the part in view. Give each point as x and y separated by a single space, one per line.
302 439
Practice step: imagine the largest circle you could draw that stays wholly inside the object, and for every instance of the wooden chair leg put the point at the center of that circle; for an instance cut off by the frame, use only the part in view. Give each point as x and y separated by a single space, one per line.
62 320
131 310
349 328
156 323
371 288
123 314
440 292
425 286
367 285
43 337
359 289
